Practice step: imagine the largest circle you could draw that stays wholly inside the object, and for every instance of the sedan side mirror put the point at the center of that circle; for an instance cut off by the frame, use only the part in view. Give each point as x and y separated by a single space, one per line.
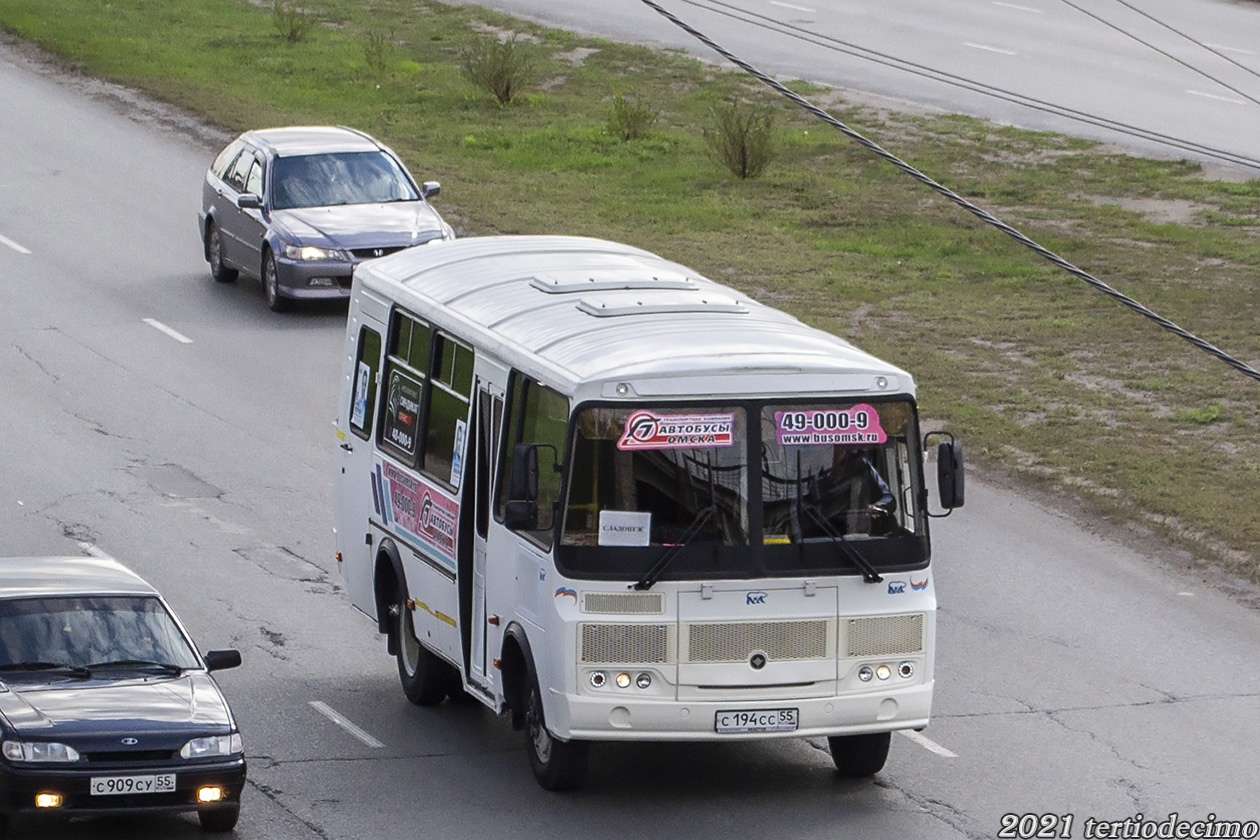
249 201
430 188
217 660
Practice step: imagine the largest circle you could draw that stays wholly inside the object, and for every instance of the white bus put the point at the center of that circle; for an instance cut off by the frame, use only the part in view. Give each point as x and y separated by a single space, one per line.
618 501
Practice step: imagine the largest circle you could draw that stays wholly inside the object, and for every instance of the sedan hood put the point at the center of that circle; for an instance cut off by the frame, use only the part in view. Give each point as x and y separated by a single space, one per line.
96 706
355 226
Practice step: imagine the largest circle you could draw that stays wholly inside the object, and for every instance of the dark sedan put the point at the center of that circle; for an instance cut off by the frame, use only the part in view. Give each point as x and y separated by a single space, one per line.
298 207
106 706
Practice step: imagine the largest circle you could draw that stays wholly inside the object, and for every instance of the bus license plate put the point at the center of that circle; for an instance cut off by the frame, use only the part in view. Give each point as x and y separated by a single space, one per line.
756 720
110 785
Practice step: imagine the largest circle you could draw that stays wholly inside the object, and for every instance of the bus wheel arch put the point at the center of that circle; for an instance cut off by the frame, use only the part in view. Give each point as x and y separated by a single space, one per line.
388 582
557 765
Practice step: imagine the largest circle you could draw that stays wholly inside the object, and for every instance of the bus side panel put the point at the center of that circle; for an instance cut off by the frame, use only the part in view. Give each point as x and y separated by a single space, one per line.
352 477
436 607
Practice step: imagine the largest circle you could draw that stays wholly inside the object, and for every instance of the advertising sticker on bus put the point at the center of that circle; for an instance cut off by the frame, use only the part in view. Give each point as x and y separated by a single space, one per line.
856 425
648 430
420 512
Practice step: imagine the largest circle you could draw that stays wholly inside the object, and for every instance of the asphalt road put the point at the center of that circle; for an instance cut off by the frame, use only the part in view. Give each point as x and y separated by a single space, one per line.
1177 78
179 426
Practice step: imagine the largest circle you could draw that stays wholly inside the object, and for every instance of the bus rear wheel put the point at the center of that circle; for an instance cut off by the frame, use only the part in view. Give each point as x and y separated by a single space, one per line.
557 765
425 677
859 755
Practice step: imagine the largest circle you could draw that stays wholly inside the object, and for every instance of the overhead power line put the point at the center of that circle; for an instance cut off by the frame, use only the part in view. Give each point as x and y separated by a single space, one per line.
979 212
992 91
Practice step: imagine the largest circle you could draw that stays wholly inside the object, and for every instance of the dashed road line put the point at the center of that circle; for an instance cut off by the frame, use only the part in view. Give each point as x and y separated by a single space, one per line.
987 48
159 326
1231 100
337 718
928 744
16 247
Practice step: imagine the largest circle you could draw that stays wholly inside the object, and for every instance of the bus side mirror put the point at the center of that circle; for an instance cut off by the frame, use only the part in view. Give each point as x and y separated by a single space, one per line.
949 473
521 511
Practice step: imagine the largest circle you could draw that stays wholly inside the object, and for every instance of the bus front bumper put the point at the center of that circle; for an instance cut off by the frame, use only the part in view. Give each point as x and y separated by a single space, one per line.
626 718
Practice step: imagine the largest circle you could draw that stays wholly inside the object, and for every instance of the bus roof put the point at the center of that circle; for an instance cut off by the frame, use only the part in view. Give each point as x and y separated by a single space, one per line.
583 311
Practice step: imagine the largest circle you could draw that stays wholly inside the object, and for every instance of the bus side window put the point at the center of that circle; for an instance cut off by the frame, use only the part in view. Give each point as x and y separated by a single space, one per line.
450 390
363 397
536 414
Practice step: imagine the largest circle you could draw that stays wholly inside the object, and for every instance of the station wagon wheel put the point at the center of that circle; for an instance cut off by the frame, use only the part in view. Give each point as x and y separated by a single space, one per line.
219 819
214 248
425 677
859 755
557 765
276 302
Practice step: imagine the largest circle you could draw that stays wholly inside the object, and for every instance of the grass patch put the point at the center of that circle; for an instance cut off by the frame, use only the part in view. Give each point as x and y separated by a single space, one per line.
1042 376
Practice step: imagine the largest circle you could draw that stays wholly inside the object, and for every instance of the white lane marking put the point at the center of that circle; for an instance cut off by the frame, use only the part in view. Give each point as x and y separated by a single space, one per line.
927 743
1231 100
794 8
328 712
158 325
1017 8
1224 48
16 247
988 48
94 551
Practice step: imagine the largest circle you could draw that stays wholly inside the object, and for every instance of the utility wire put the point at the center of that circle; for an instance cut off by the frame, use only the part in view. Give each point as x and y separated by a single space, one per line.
836 45
1164 53
979 212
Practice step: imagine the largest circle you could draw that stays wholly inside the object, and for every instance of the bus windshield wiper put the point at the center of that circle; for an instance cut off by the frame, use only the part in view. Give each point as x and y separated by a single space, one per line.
702 517
37 665
847 548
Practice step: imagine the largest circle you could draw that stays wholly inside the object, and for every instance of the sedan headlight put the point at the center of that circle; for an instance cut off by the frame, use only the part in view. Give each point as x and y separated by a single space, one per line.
311 252
213 746
39 751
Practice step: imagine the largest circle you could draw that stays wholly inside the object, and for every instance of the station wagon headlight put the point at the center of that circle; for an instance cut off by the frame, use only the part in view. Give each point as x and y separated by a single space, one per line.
311 252
39 751
213 746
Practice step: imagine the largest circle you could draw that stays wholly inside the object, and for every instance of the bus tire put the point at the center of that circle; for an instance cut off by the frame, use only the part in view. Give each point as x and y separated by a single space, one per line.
557 765
859 755
424 676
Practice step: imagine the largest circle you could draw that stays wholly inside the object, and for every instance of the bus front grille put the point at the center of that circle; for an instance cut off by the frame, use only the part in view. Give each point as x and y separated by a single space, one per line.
889 635
624 643
737 641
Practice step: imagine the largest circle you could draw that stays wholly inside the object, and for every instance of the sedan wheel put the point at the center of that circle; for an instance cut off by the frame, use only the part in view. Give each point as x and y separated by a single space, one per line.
271 285
214 247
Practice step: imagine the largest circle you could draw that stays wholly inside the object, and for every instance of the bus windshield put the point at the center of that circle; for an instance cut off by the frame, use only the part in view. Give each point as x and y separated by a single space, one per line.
742 489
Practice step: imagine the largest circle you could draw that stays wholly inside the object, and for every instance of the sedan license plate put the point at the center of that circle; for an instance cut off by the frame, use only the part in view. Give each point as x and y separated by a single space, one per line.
111 785
756 720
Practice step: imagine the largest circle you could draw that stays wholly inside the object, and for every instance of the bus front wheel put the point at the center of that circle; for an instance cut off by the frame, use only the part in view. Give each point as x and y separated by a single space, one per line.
860 755
557 765
425 677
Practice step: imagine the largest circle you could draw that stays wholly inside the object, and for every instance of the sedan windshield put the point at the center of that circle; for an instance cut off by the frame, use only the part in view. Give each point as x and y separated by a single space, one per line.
339 178
90 630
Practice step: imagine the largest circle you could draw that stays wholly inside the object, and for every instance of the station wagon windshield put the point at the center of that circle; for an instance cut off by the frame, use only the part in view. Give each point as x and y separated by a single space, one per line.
339 178
748 488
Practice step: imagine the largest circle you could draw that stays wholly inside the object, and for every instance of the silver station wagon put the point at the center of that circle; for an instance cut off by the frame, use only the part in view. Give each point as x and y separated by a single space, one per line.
298 207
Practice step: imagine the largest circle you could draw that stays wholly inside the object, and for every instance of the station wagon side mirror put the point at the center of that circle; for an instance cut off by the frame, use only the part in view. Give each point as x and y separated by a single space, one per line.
521 510
249 201
949 470
430 188
217 660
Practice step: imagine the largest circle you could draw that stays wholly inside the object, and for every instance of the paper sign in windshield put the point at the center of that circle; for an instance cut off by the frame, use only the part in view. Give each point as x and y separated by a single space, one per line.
646 430
624 527
856 425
